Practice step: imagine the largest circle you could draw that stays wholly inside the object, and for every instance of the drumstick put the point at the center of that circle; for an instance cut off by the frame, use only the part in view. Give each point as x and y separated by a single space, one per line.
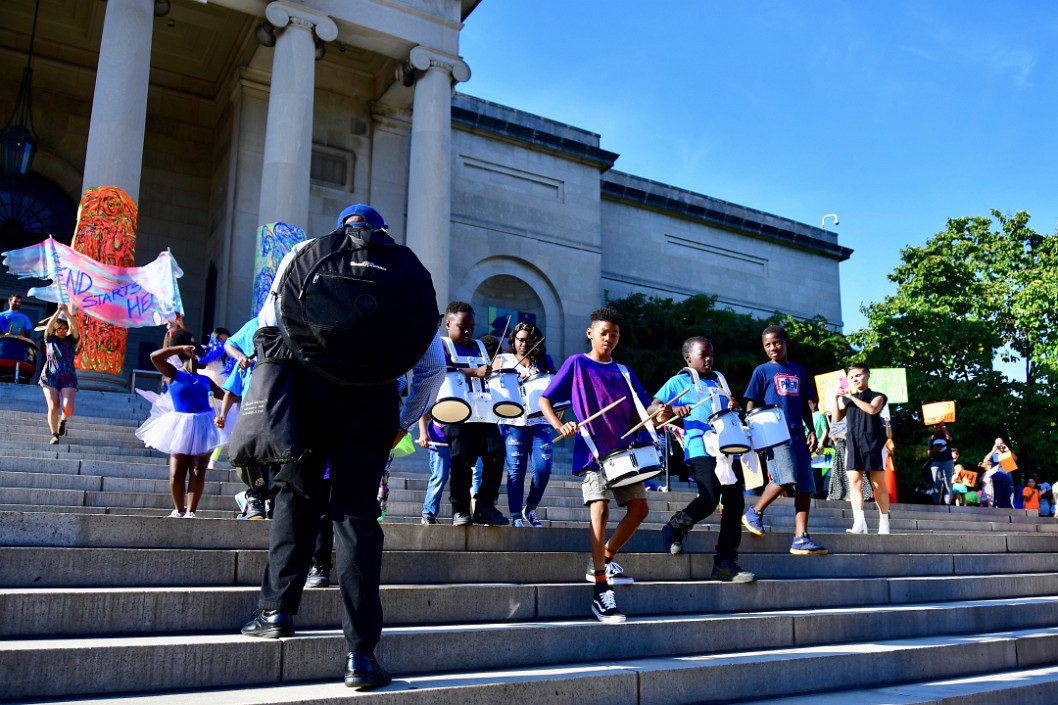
530 352
644 422
491 364
594 416
695 406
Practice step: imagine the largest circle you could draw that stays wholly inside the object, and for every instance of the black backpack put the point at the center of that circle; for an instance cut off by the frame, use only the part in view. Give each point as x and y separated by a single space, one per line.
356 308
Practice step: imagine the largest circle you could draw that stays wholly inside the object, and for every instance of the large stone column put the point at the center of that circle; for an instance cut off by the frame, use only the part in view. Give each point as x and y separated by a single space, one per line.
114 159
119 105
288 135
430 167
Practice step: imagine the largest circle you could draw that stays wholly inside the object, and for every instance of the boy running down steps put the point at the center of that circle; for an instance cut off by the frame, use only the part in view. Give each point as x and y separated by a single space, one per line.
591 381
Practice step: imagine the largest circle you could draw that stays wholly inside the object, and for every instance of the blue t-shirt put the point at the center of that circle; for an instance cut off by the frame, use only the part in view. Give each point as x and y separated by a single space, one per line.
190 393
15 323
695 425
238 381
788 385
590 386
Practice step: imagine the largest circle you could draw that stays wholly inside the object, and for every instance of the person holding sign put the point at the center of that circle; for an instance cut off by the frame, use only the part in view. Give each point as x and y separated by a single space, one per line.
941 463
865 439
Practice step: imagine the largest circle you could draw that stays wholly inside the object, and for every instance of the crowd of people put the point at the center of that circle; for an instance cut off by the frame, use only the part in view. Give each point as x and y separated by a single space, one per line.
327 497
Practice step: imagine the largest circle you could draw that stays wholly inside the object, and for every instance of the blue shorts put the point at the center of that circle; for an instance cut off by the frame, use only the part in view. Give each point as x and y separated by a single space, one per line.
791 464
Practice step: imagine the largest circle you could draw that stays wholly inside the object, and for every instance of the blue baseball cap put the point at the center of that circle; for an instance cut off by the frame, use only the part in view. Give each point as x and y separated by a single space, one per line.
369 214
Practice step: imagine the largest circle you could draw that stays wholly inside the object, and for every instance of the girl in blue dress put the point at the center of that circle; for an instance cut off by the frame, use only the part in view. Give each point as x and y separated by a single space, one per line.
58 379
186 432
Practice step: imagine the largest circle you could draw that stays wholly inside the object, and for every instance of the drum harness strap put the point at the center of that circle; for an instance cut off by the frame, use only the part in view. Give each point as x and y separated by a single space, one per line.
475 383
724 469
639 409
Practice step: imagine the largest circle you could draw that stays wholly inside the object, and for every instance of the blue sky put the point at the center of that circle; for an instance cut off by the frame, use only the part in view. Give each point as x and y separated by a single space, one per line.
895 115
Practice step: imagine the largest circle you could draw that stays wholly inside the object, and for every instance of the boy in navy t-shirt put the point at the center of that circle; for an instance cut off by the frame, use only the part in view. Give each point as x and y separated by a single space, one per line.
789 386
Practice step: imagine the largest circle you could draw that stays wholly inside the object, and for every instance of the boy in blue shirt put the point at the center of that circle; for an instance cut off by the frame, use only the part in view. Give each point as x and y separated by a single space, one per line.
789 386
698 354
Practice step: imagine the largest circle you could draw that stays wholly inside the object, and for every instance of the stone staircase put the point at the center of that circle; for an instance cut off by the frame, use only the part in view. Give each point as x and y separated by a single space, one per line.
103 599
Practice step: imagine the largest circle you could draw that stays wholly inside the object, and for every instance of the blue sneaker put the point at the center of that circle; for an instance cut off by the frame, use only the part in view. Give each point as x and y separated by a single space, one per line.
753 522
804 546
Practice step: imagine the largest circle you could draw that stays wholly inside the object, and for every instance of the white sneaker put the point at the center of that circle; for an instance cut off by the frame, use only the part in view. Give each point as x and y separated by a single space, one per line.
615 574
518 523
175 514
857 529
189 515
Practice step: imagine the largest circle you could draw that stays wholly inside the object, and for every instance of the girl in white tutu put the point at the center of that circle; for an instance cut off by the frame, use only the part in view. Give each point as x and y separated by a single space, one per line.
186 431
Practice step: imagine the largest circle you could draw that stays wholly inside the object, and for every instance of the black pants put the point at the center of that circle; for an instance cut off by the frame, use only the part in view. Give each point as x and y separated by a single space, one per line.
354 430
467 442
710 494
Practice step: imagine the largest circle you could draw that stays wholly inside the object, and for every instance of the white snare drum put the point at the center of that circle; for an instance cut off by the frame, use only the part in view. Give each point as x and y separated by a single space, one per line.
730 433
630 465
767 427
505 393
453 400
533 387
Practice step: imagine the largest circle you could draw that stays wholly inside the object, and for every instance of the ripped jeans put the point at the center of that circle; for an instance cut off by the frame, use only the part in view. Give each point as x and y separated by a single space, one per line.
525 445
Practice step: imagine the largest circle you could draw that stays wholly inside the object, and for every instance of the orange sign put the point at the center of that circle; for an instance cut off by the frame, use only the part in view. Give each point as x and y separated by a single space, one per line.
938 412
827 385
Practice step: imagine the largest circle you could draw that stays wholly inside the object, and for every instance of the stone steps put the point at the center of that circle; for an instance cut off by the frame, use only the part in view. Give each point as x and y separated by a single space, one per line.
105 596
678 659
186 607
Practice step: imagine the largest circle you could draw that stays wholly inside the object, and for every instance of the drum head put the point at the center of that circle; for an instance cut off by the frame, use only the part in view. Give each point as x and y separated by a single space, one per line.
450 410
507 410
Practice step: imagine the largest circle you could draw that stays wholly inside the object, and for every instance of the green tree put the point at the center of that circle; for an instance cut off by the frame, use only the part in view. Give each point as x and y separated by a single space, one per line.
655 328
984 288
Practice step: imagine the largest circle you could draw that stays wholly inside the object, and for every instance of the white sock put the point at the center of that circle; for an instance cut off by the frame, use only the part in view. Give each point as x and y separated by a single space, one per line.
858 518
883 520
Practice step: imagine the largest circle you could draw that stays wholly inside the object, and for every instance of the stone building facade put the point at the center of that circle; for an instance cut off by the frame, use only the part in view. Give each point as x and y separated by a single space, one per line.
186 107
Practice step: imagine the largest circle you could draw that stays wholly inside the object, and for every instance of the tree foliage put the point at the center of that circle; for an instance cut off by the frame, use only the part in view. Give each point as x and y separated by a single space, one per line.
654 330
983 288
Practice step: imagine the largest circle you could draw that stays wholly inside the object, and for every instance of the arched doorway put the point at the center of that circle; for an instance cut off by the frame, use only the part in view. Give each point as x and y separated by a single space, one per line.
502 296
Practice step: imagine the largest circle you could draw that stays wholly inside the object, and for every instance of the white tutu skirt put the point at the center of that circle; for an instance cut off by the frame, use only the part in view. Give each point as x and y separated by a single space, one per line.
178 432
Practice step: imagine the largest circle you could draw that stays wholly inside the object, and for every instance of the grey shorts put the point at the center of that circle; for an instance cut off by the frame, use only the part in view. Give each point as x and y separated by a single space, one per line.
594 489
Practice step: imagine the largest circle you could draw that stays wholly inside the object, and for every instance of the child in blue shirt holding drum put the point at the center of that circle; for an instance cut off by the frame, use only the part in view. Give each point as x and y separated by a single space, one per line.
696 409
785 386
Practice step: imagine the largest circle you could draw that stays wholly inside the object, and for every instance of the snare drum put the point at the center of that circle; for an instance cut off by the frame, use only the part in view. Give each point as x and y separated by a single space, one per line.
533 387
453 400
731 434
630 465
767 427
504 393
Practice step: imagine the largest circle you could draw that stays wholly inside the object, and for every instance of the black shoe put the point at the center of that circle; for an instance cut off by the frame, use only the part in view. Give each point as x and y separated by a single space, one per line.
363 672
269 624
62 427
255 508
730 572
319 577
491 516
672 538
54 439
